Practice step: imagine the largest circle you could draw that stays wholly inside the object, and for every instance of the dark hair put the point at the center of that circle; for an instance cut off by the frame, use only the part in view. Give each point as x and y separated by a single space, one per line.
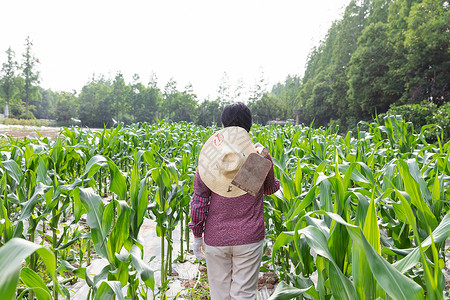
237 114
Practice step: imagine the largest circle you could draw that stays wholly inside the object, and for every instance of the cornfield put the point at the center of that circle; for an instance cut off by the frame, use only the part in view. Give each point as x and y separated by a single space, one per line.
359 216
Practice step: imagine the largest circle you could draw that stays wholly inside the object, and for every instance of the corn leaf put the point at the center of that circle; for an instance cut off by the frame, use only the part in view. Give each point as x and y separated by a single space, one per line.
389 278
94 207
118 183
93 165
28 206
108 290
441 233
120 232
284 291
13 170
42 174
12 254
417 193
143 269
341 286
298 179
32 280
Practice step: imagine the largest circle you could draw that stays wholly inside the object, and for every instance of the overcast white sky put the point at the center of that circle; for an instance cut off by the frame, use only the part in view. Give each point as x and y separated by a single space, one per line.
193 41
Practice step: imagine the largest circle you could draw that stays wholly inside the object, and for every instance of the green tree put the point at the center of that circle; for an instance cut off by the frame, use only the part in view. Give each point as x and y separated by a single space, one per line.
317 107
224 92
145 100
17 107
170 99
427 43
95 109
30 74
178 106
288 91
380 53
323 92
239 94
371 86
209 113
259 89
378 11
398 25
120 98
270 107
186 110
44 107
137 88
7 81
66 107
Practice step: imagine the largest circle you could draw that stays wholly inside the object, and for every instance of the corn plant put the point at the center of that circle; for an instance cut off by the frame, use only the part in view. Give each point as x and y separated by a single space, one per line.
365 212
361 194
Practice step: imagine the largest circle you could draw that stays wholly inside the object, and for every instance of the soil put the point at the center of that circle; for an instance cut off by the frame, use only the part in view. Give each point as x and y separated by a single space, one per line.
268 279
199 287
18 131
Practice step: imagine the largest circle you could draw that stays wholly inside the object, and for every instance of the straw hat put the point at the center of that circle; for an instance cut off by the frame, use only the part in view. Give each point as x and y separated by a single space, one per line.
221 157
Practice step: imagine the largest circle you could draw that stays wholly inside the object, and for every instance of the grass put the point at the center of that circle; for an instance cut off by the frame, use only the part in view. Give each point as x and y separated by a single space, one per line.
201 289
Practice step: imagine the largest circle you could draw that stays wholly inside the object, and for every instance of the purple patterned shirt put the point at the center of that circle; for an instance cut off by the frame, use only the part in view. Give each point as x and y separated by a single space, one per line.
229 221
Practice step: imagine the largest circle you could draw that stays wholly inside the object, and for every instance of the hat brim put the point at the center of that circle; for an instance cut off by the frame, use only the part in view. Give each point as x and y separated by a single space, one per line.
230 139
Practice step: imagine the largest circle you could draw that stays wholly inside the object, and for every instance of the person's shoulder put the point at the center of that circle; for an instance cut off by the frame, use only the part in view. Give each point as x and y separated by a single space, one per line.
268 156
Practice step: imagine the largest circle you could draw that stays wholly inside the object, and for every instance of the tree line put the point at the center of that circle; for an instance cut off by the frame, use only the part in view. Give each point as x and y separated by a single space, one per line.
381 53
105 101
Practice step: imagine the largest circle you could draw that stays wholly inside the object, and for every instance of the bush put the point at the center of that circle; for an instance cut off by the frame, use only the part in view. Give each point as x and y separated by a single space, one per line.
418 114
423 114
24 122
30 116
442 118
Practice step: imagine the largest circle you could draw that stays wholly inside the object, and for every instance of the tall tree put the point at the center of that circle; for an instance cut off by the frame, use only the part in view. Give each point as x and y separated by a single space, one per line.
45 103
30 74
288 91
120 98
170 102
16 107
145 100
427 43
8 79
188 107
259 89
398 25
66 105
239 94
268 108
153 82
179 106
224 93
350 29
95 108
209 112
371 88
154 98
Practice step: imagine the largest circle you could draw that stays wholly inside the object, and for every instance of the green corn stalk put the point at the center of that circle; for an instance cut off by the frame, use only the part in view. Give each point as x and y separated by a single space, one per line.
12 255
328 182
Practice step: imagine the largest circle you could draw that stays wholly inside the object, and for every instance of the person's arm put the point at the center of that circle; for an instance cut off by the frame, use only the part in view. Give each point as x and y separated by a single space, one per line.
199 211
271 184
199 206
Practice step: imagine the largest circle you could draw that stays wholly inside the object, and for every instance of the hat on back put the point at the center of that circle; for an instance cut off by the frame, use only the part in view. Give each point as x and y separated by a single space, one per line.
221 157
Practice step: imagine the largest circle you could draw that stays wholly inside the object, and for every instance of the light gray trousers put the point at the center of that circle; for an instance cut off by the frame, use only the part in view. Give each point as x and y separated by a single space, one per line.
233 271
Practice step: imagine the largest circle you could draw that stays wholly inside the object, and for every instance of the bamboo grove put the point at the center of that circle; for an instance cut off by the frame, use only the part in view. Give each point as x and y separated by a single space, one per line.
365 213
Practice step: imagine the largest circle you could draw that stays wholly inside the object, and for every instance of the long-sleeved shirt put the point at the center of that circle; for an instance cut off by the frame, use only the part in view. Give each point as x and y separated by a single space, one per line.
229 221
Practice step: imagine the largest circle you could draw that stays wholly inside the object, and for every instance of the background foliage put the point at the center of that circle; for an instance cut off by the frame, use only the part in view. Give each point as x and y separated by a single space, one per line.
381 53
